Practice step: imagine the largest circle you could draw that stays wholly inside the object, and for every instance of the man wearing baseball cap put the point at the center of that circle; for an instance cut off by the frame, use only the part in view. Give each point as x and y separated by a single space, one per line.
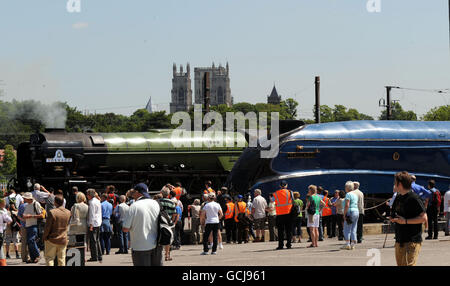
142 223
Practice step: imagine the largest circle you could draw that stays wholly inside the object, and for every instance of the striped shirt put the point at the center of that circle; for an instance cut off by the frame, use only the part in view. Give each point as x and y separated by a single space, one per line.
168 205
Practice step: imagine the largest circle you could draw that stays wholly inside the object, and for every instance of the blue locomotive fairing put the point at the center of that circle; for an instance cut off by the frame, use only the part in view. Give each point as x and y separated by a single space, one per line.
371 152
382 129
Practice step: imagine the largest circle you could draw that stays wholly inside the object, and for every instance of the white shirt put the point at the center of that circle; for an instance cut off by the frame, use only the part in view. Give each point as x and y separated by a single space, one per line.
212 212
4 220
32 209
446 199
123 211
360 196
94 213
259 205
39 195
142 220
19 200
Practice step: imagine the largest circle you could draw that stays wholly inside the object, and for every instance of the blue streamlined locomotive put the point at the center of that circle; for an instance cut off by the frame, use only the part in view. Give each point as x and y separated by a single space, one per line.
370 152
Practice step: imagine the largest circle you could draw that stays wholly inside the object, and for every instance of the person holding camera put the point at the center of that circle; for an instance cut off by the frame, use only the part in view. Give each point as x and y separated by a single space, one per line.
351 215
409 215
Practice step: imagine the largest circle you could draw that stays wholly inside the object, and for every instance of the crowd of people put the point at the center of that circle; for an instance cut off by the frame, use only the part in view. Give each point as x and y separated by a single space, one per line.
42 220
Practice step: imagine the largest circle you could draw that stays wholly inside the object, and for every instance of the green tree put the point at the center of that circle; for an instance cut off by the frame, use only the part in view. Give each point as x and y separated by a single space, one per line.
398 113
441 113
289 106
8 166
326 113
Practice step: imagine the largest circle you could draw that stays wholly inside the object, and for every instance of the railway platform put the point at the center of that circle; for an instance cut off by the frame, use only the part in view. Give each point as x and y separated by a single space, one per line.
369 252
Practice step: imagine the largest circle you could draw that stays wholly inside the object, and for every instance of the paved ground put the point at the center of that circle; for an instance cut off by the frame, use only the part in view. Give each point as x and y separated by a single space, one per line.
434 252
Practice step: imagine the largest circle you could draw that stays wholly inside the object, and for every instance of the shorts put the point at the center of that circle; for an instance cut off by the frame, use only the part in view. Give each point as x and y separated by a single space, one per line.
12 237
313 220
260 223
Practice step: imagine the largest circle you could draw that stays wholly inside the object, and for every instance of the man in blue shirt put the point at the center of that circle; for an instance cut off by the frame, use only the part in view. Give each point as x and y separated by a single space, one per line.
23 232
423 193
177 237
105 228
334 213
432 212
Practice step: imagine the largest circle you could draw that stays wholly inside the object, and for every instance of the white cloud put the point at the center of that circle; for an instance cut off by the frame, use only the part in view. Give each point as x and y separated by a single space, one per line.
80 25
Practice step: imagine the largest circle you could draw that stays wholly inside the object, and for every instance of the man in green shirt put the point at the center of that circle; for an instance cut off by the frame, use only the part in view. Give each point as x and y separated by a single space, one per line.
297 225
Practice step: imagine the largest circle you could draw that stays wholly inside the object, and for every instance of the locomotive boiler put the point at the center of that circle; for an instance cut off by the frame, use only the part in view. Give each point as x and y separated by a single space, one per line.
58 159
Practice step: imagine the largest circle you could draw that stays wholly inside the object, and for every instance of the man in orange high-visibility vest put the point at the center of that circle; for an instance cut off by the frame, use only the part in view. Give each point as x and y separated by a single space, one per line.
326 214
241 218
230 224
179 191
283 204
208 188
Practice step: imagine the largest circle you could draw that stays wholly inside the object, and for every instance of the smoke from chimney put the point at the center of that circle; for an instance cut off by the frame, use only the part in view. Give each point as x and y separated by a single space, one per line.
52 115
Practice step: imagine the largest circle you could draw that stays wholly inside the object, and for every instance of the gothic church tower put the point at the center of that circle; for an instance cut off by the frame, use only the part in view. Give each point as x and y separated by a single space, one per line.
181 89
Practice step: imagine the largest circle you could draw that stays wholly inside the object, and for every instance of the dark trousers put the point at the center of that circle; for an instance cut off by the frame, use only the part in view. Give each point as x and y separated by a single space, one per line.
432 215
284 225
320 228
230 230
151 257
271 220
105 242
94 244
214 228
182 234
333 219
40 234
251 231
359 230
326 223
340 224
32 235
123 239
242 232
297 226
177 235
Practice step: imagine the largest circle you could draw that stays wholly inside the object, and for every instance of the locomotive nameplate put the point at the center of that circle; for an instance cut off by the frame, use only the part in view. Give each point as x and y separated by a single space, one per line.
59 158
292 155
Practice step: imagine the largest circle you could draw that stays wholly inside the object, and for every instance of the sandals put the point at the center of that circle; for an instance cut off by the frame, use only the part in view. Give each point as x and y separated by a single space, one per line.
168 258
311 246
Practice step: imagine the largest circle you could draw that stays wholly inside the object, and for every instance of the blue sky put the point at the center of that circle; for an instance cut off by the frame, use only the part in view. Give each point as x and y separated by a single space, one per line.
113 55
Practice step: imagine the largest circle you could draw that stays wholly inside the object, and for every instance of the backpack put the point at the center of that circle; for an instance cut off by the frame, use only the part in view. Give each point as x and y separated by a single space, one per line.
165 225
295 210
43 211
112 199
436 199
312 207
15 224
12 201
